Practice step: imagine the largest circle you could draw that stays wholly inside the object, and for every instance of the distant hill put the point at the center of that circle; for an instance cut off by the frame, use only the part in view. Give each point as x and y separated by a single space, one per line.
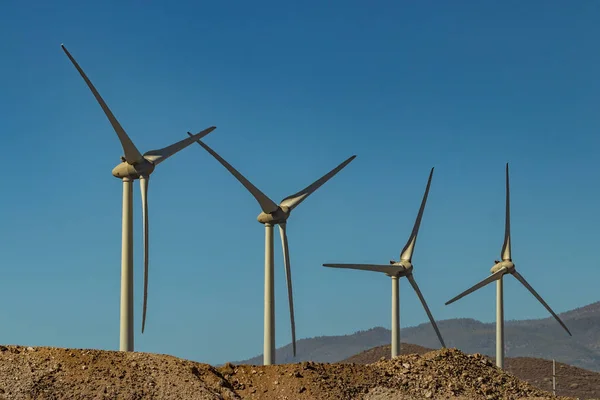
540 338
570 381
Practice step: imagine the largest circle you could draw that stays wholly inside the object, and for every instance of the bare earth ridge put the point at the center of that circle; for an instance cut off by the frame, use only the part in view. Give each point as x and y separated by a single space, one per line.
55 373
571 381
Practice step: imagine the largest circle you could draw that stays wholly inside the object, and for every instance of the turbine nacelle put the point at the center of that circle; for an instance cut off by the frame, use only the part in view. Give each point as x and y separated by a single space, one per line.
126 170
276 217
507 265
404 267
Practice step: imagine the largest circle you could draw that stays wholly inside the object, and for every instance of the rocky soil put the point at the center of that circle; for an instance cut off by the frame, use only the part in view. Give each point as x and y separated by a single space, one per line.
570 381
54 373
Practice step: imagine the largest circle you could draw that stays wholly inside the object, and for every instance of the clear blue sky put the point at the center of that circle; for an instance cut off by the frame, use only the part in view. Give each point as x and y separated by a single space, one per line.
294 88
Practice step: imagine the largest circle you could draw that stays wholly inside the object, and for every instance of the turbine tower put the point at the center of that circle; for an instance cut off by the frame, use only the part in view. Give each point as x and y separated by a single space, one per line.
134 165
273 214
398 269
501 268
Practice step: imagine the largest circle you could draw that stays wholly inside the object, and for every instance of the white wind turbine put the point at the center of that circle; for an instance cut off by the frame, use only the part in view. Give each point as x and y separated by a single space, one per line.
398 269
501 268
273 214
134 166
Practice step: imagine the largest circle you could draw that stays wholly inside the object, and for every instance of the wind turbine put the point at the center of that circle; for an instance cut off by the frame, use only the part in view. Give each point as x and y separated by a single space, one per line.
398 269
501 268
273 214
134 165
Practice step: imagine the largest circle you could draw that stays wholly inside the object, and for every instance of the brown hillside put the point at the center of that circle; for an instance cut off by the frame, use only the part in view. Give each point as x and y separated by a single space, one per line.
570 381
52 373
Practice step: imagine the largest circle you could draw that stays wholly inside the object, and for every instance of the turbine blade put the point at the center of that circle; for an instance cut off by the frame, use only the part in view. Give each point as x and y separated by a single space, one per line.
386 269
266 204
160 155
413 283
132 154
506 246
294 200
494 277
144 189
288 277
537 296
407 252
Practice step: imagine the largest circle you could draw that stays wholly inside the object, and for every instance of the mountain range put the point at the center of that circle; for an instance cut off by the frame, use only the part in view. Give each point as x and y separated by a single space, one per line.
538 338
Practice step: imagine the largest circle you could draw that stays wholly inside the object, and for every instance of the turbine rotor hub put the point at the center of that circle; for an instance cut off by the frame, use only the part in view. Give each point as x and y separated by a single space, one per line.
126 170
507 264
278 216
407 265
404 267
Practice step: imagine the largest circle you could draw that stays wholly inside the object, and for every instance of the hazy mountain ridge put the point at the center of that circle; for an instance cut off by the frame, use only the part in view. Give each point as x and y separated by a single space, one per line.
540 338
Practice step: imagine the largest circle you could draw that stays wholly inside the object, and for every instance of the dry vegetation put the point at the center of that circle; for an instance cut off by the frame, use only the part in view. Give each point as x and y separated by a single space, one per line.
52 373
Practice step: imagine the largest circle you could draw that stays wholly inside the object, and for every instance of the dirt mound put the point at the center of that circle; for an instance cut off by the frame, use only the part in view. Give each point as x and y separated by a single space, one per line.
570 381
52 373
379 352
446 373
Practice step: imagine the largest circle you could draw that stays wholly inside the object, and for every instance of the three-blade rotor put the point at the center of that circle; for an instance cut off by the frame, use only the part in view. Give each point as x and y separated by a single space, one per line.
404 266
280 214
506 266
144 163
